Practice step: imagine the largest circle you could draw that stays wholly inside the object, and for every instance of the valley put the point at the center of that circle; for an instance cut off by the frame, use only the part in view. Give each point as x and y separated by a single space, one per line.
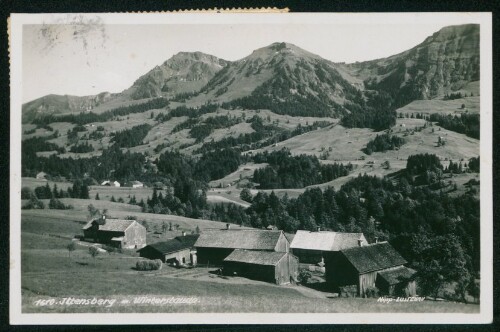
281 139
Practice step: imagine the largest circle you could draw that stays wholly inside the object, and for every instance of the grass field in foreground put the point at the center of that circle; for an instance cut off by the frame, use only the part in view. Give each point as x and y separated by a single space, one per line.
48 271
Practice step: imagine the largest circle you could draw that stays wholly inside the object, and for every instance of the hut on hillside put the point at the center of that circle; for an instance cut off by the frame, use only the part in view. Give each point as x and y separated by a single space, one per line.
41 176
310 247
375 265
176 251
213 246
276 267
127 234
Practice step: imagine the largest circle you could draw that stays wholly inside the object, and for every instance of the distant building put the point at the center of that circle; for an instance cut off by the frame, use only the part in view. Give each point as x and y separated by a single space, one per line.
127 234
375 265
179 250
276 267
213 246
310 247
137 184
110 184
41 176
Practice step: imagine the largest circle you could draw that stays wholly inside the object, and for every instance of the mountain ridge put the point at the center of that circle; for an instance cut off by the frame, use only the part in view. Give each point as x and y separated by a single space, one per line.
283 73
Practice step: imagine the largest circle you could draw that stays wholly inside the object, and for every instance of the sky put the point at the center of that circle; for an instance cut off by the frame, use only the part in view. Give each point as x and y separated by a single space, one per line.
85 60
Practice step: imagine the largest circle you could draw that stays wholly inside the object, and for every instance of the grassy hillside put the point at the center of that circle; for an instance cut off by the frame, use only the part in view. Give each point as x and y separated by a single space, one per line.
49 271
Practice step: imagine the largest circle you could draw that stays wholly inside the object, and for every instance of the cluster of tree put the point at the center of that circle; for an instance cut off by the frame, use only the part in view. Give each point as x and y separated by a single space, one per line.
187 111
382 143
82 148
474 164
378 112
131 137
182 97
123 166
203 130
187 199
287 171
467 124
456 95
263 135
89 117
95 135
420 163
33 145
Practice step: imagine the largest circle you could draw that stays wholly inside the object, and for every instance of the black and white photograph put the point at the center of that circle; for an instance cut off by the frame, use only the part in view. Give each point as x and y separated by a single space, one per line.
238 168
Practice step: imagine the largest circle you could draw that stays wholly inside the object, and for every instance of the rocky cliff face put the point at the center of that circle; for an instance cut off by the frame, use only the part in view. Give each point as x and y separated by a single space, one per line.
444 62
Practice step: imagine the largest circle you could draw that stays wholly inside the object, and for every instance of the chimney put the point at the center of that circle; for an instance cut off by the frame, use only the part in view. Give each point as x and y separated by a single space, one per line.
360 243
376 239
228 226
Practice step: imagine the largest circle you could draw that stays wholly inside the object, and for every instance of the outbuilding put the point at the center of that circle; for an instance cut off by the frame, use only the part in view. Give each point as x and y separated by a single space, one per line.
177 251
375 265
270 266
137 184
310 247
41 176
120 233
213 246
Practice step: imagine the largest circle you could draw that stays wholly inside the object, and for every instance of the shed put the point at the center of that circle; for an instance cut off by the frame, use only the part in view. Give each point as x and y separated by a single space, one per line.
276 267
310 247
41 176
179 250
375 265
137 184
213 246
116 184
128 234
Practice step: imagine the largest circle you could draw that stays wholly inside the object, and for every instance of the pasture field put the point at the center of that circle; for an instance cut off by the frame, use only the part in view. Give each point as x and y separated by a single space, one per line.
49 271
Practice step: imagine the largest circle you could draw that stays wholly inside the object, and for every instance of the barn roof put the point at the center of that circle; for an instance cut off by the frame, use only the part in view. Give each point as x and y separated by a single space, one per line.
373 257
239 239
112 225
393 277
325 241
173 245
255 257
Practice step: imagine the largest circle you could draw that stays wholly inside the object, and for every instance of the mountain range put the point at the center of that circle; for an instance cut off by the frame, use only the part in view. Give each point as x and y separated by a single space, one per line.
289 80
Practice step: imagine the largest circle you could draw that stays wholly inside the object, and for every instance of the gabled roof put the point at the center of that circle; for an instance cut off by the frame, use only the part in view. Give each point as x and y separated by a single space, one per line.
393 277
173 245
373 257
111 225
325 241
255 257
239 239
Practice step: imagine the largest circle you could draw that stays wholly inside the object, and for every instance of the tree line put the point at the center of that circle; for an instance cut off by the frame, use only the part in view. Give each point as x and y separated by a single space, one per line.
89 117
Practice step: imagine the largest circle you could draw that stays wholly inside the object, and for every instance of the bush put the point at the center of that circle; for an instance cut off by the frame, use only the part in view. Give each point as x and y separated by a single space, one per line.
304 276
56 204
149 265
33 203
371 292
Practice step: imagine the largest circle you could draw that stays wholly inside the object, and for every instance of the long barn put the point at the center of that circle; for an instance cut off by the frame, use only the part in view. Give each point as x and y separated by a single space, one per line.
213 246
310 247
276 267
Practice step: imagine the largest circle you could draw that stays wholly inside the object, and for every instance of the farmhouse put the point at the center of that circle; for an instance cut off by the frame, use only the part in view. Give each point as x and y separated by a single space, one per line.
110 184
310 247
127 234
179 250
137 184
375 265
276 267
41 176
213 246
